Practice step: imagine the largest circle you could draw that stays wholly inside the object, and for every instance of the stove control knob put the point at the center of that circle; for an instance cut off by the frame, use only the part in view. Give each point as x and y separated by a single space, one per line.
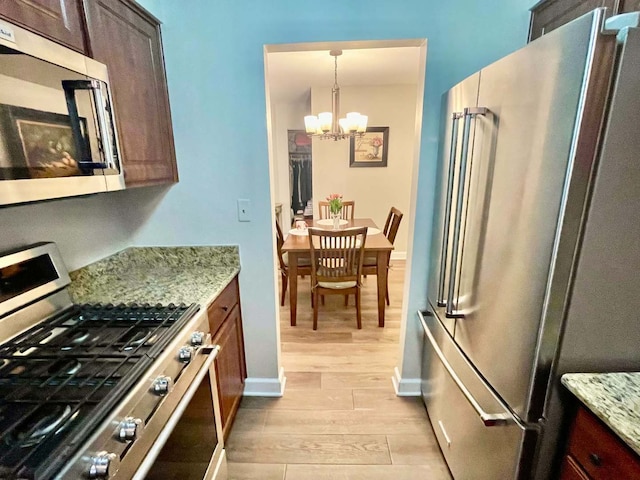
161 385
197 338
128 428
99 465
184 354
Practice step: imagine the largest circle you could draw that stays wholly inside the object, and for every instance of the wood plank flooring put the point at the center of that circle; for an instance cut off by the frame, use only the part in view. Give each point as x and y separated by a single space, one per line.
339 418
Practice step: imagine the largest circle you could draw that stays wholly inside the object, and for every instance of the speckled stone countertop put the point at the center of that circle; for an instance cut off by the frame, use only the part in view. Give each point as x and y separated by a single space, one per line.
157 275
612 397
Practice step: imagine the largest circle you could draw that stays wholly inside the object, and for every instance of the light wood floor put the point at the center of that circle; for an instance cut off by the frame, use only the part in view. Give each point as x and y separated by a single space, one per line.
339 418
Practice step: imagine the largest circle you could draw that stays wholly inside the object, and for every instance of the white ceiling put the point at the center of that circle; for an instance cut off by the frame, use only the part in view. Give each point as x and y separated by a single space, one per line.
292 74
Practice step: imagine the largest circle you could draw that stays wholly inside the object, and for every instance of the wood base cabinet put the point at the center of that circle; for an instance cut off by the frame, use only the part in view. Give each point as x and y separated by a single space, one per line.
595 452
127 39
58 20
225 323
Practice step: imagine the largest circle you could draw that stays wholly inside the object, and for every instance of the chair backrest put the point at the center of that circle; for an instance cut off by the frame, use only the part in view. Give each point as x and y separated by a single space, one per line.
279 243
392 224
336 255
347 212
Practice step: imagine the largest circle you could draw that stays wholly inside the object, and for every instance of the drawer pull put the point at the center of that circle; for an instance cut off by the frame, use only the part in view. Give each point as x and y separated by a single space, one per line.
489 419
595 459
224 309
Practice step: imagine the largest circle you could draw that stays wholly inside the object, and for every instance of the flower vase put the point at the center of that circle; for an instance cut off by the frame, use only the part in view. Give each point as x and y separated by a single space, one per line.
336 220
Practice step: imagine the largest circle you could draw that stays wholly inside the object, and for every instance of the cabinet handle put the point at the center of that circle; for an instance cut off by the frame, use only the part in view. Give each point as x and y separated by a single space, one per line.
595 459
224 309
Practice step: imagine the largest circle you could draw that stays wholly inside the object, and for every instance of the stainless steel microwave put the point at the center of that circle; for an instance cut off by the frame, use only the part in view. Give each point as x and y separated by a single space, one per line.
57 130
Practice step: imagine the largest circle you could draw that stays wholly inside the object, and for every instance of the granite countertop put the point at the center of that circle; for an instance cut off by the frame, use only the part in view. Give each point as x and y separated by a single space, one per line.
612 397
157 275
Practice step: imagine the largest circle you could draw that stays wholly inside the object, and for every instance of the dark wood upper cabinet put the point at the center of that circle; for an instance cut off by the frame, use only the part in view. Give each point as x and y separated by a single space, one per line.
629 6
59 20
127 39
551 14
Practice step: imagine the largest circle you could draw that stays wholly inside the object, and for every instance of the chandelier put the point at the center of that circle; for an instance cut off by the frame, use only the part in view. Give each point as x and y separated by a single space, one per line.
328 125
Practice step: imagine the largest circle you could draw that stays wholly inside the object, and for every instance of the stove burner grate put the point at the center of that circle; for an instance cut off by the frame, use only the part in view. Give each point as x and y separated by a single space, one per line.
61 379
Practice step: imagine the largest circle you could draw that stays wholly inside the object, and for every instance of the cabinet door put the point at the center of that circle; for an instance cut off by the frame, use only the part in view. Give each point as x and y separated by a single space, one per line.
60 20
555 13
127 39
627 6
230 368
571 470
599 452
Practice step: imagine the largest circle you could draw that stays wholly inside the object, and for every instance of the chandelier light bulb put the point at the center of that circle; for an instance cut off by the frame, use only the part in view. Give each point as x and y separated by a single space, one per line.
311 124
325 118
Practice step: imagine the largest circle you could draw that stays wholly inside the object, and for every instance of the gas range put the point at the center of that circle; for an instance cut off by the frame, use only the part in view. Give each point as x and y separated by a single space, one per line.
86 390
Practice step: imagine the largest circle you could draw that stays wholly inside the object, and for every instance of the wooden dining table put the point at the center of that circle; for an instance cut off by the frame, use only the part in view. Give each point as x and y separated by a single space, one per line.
297 246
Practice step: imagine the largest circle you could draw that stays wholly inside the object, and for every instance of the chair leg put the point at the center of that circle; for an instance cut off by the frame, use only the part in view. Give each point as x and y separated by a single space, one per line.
387 292
322 299
285 279
358 313
315 309
311 285
346 300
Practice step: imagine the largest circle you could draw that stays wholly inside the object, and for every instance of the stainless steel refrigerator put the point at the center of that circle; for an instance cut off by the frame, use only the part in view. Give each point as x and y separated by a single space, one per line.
535 260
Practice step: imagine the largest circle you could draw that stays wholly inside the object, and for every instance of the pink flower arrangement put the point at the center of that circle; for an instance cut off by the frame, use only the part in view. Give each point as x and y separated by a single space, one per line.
376 142
335 203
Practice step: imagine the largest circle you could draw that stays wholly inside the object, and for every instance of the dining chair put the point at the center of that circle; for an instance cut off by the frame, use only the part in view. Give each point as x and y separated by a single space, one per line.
336 265
304 265
347 212
370 264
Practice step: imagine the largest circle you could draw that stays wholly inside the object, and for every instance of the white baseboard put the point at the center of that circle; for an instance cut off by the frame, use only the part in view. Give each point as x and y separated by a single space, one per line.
405 387
398 255
265 387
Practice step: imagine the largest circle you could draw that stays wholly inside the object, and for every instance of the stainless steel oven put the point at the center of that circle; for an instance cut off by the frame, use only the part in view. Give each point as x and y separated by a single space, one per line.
102 391
170 421
57 130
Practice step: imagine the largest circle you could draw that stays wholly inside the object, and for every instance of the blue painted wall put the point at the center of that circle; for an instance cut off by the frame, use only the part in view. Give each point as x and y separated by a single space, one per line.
214 58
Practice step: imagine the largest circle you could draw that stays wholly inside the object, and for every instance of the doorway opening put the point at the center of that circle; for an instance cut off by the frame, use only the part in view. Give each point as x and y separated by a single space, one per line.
384 80
300 175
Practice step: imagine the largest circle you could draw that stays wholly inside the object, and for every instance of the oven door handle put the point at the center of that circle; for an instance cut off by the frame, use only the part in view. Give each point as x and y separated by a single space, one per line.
211 351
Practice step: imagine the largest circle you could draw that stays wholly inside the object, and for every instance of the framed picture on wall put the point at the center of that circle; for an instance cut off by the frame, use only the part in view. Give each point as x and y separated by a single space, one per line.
371 149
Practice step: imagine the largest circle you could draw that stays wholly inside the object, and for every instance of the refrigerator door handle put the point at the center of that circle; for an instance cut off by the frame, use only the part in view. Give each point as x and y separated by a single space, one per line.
488 419
455 117
469 114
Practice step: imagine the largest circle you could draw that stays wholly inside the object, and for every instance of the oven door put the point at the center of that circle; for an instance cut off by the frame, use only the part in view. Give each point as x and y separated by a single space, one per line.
57 131
190 444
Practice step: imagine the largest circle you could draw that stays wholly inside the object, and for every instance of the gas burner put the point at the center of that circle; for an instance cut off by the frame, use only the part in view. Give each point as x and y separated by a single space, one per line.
46 420
135 338
64 366
75 338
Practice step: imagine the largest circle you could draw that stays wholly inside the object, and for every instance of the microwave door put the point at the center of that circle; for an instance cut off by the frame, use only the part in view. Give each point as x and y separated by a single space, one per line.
47 149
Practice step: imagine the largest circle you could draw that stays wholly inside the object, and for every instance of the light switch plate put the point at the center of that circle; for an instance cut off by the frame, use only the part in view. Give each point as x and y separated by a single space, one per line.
244 210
